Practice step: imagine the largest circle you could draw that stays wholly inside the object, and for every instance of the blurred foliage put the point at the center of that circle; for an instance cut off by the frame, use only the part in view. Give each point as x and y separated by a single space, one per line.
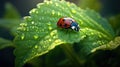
92 4
11 18
5 43
115 22
104 58
11 12
9 22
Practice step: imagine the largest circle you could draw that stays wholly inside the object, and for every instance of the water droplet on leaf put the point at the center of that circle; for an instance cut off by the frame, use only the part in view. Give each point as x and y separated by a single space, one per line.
32 22
56 4
68 3
59 14
50 28
50 40
53 12
22 36
36 46
33 11
35 36
23 24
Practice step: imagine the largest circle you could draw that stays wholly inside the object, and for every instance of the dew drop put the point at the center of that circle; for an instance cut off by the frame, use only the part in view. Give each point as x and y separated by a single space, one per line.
32 22
53 12
56 4
36 46
51 34
58 13
23 24
50 28
47 2
63 8
92 33
36 30
38 5
32 11
68 3
43 46
51 2
36 12
22 37
82 37
87 28
94 50
73 11
19 28
49 40
24 29
35 36
27 18
57 41
54 37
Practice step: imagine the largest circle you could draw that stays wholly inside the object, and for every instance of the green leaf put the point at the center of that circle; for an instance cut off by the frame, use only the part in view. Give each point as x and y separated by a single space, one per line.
39 34
54 54
109 46
115 22
5 43
11 12
92 4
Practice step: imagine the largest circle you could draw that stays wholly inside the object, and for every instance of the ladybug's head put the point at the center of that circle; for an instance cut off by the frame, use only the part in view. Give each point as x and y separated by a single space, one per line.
75 26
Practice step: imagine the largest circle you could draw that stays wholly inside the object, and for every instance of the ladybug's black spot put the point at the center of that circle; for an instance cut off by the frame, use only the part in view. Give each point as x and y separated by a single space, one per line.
60 24
63 19
71 21
65 25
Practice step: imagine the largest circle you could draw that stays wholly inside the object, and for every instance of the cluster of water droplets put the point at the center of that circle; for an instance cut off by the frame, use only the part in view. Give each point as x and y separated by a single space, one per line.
39 29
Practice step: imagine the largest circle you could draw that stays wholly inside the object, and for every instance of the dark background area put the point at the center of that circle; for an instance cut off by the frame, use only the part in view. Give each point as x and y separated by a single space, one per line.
109 8
23 6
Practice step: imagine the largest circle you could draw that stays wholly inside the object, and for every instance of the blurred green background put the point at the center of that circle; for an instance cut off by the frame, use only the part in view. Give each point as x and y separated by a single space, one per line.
109 9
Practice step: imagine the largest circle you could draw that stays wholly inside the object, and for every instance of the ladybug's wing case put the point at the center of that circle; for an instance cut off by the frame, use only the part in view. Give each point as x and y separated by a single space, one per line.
60 23
67 23
63 23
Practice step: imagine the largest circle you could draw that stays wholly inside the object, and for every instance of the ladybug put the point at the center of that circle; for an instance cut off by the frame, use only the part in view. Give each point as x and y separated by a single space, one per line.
68 23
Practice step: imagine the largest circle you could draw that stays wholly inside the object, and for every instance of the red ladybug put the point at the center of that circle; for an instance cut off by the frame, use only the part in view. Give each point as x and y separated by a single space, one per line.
68 23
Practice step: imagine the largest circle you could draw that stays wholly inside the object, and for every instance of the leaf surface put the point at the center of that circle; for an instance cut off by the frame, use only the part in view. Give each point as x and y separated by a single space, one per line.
39 34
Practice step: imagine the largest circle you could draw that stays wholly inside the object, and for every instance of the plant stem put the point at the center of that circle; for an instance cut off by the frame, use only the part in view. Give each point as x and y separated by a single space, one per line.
70 53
